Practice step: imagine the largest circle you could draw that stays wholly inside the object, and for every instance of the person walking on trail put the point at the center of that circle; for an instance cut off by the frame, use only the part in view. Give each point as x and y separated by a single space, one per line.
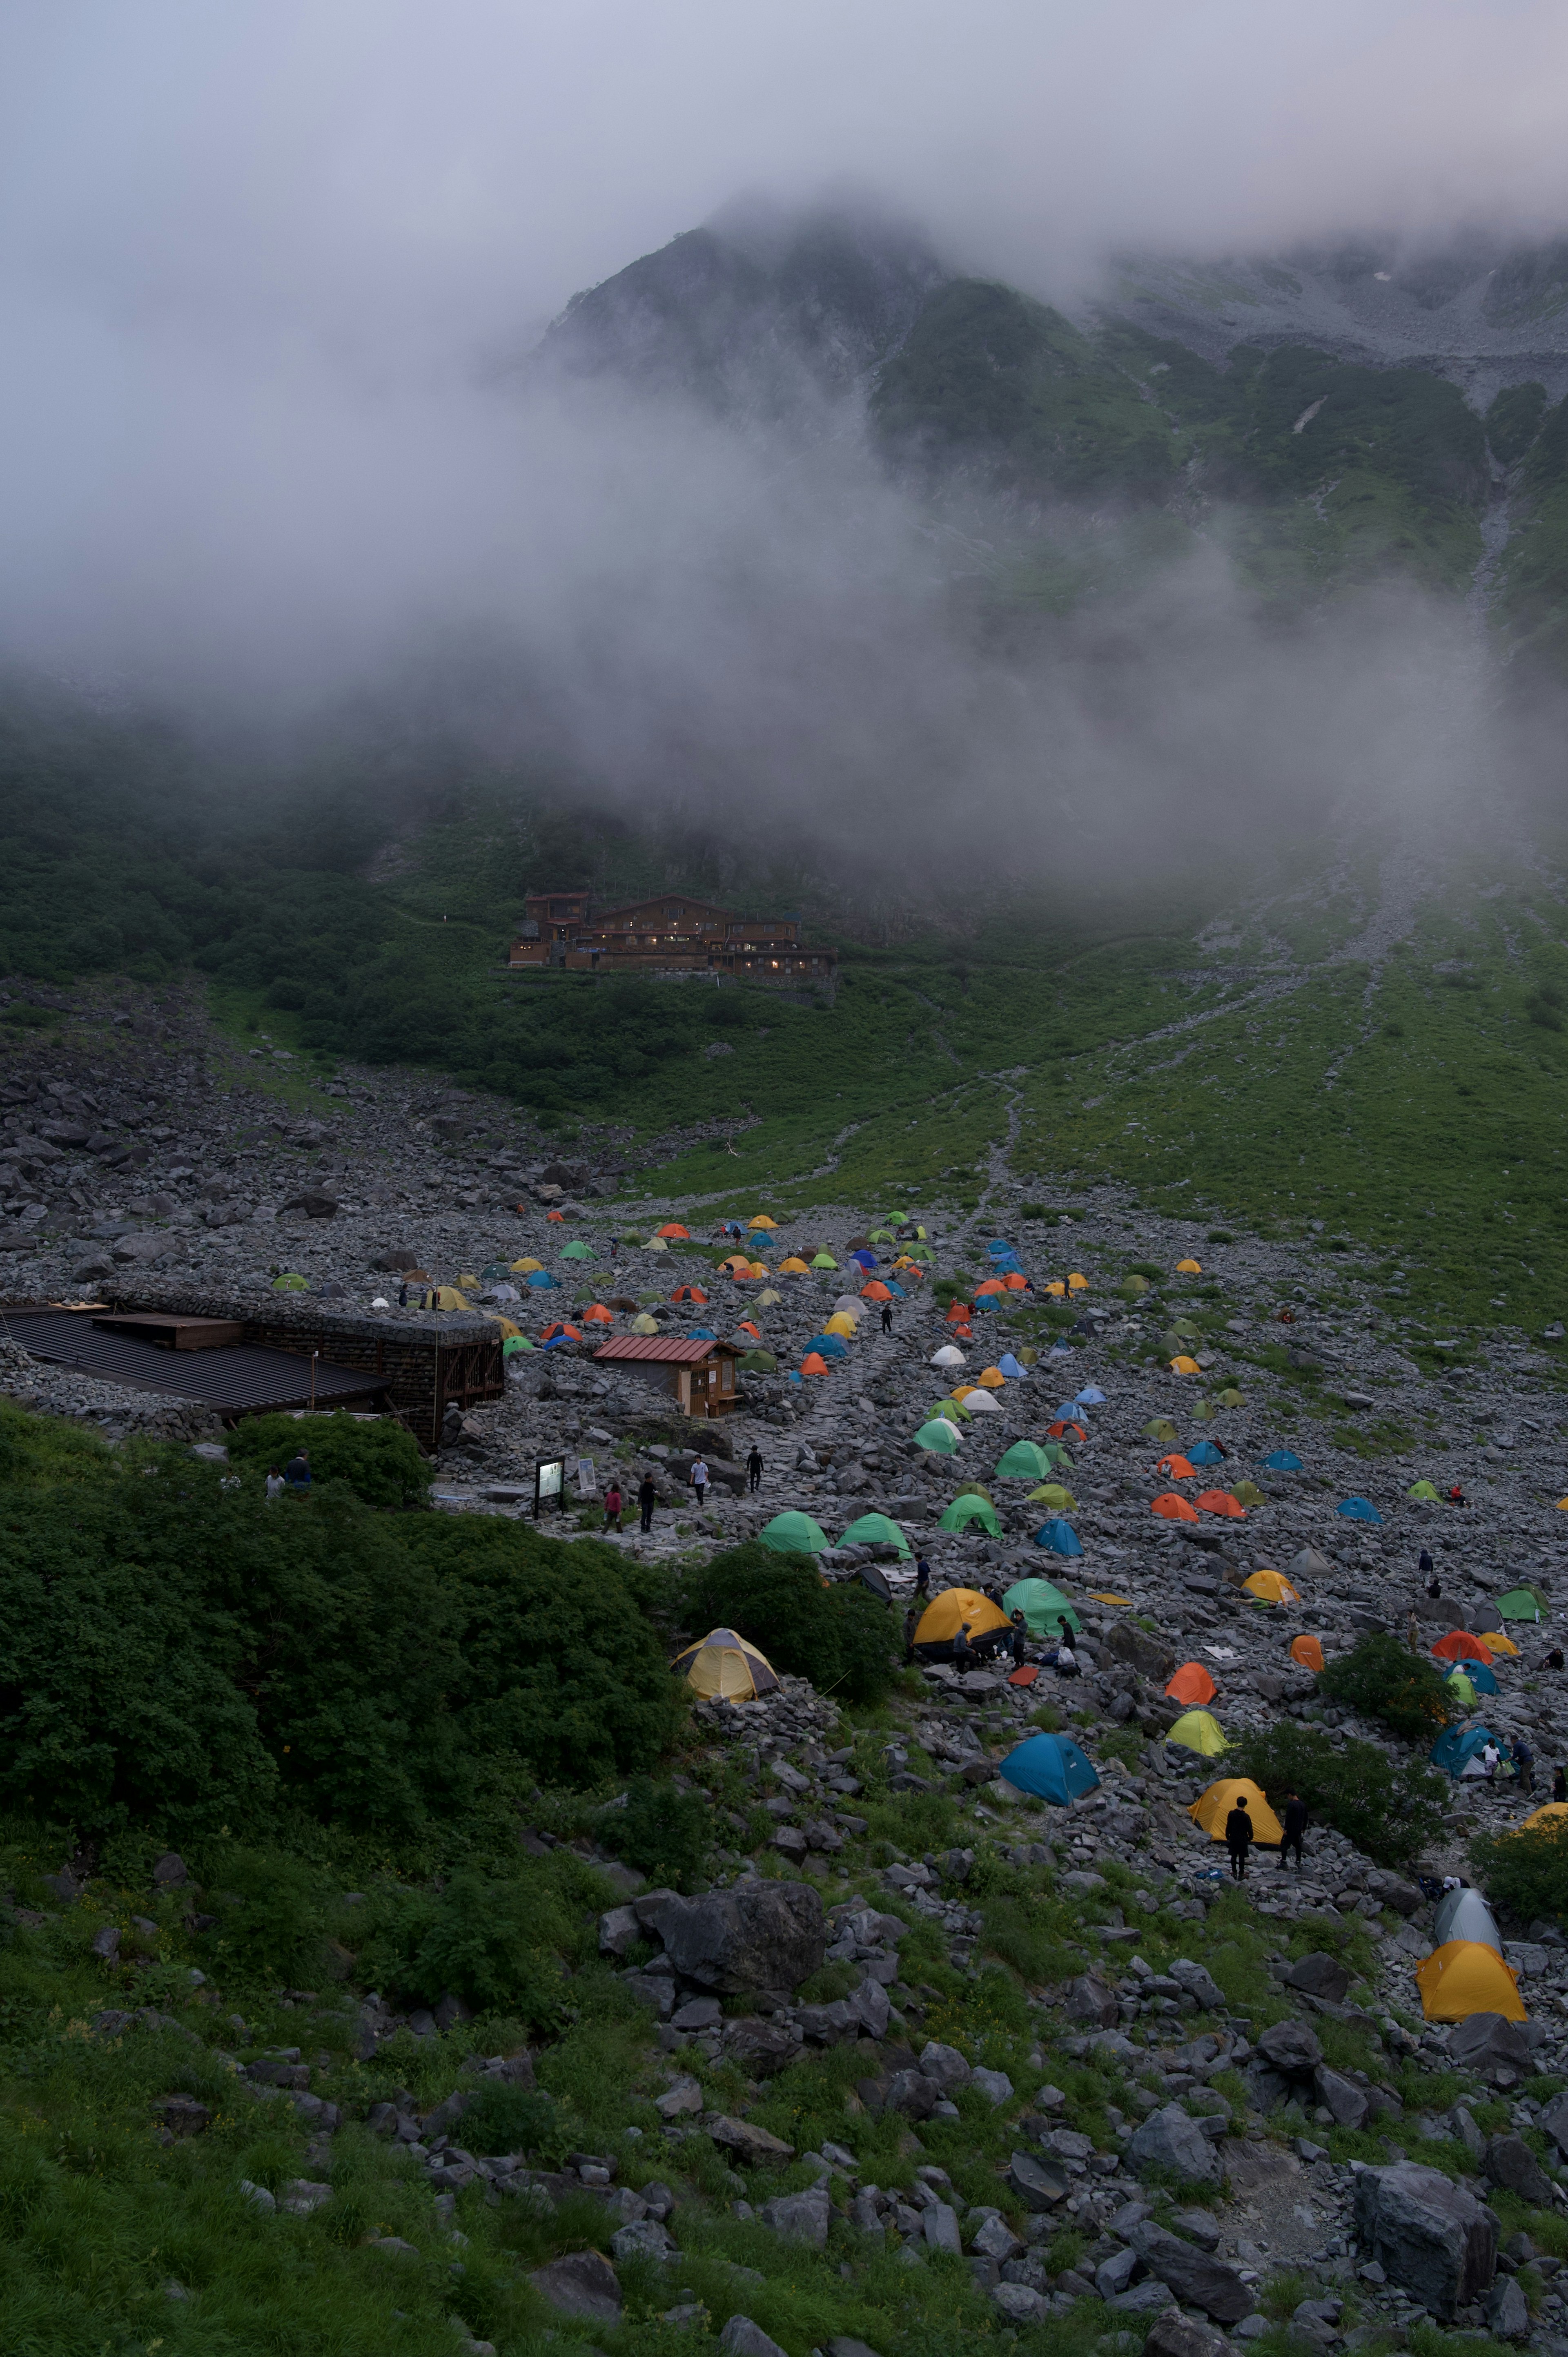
754 1468
1295 1823
275 1482
1238 1839
962 1651
698 1476
923 1578
1019 1639
1524 1761
296 1472
887 1318
613 1505
647 1499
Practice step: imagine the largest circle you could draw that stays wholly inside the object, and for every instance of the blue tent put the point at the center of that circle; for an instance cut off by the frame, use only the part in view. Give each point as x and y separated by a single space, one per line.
1456 1744
540 1278
555 1342
1059 1537
1059 1350
795 1378
1051 1767
1359 1509
866 1259
701 1334
1281 1461
1206 1453
1481 1677
1069 1412
994 1245
985 1301
1090 1396
893 1287
1008 1366
830 1346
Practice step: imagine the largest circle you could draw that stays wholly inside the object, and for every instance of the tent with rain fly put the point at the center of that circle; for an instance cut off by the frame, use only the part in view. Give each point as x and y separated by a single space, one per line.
1307 1652
953 1409
937 1437
644 1324
1024 1461
849 1305
1247 1494
1176 1467
1173 1508
793 1534
823 1260
954 1608
1061 1426
761 1220
1457 1746
681 1292
991 1379
1052 1493
595 1313
757 1363
1464 1915
1197 1730
813 1363
1213 1806
793 1267
829 1346
964 1511
1272 1588
1204 1452
865 1259
1477 1675
877 1291
539 1280
1520 1604
1059 1537
1051 1768
1282 1460
1495 1643
577 1250
674 1233
1424 1489
1192 1685
1204 1411
1460 1646
1011 1367
1161 1428
981 1403
1465 1977
1219 1501
1463 1689
1046 1610
1185 1366
1551 1813
876 1530
1358 1510
656 1244
949 1355
1230 1397
1090 1396
1189 1268
991 1285
726 1667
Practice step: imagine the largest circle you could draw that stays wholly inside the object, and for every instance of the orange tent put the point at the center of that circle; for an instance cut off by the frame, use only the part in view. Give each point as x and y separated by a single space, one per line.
555 1215
1055 1430
876 1291
1174 1508
813 1363
1192 1685
551 1331
992 1285
1176 1469
746 1327
959 1312
1460 1646
598 1316
688 1293
673 1231
1220 1501
1308 1652
734 1261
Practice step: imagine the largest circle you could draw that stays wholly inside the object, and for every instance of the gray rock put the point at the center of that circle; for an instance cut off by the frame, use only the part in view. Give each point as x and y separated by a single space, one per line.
257 2195
760 1935
618 1929
1290 2048
1114 2275
911 2093
762 2049
445 2116
939 2225
1430 2237
169 1873
643 2238
994 2085
872 2006
1198 1982
1017 2303
682 2096
1089 1999
301 2196
741 2338
698 2013
1199 2226
802 2217
1197 2279
1555 2120
1506 2311
748 2141
1508 2161
1175 2335
946 2065
583 2284
1169 2139
106 1943
843 2344
1344 2099
995 2239
1081 1884
1037 2185
1320 1975
1487 2039
1140 1652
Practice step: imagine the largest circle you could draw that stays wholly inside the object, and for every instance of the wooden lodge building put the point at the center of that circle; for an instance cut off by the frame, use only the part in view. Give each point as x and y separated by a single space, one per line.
670 937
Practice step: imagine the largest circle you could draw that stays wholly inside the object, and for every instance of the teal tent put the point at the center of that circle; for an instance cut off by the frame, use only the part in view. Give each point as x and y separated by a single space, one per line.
1206 1453
938 1435
1051 1767
1283 1461
1359 1509
1058 1538
1046 1609
1457 1746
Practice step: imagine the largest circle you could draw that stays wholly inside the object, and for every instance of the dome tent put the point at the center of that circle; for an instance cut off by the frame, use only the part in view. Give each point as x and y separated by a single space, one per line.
1192 1685
1046 1610
725 1666
1051 1768
1058 1538
938 1437
1464 1915
876 1530
1197 1730
1465 1977
793 1534
964 1511
1212 1807
1024 1461
954 1608
1282 1460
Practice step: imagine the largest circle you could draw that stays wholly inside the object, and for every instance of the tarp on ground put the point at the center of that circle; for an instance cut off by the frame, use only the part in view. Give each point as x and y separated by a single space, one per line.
1464 1915
1058 1537
1051 1767
967 1509
954 1608
1024 1461
876 1530
1046 1610
793 1534
1282 1460
1465 1977
1213 1806
1192 1685
1198 1731
725 1664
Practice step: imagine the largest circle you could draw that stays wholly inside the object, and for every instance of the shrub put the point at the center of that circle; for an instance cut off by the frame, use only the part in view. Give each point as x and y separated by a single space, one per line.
840 1638
1149 1268
1382 1679
379 1461
271 1916
1390 1814
488 1940
509 2119
662 1832
1220 1236
1526 1873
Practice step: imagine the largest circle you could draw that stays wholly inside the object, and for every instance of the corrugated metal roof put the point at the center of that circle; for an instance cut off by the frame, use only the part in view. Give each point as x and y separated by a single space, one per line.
655 1346
238 1376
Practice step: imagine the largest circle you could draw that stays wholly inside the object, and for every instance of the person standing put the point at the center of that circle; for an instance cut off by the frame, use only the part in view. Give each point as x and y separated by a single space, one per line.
923 1580
296 1472
1413 1635
754 1469
887 1318
1019 1639
1524 1761
1491 1760
1294 1822
613 1504
1238 1839
275 1482
647 1499
962 1651
1428 1571
698 1476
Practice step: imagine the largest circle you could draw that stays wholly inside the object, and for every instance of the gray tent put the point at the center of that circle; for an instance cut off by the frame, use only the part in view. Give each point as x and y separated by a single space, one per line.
1464 1915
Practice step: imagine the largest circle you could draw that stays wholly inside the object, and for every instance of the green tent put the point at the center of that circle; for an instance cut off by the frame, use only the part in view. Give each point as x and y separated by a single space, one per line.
1160 1428
1247 1494
824 1260
1051 1493
974 1489
971 1509
1520 1604
578 1251
1423 1489
1057 1454
937 1436
757 1363
952 1409
513 1344
290 1283
1206 1411
876 1530
793 1535
1133 1285
1230 1397
1459 1686
1024 1461
1044 1606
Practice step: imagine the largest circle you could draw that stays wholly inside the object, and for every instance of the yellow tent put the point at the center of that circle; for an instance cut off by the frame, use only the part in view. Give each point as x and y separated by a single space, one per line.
1211 1808
839 1324
1189 1268
1496 1642
793 1267
525 1267
1051 1493
768 1300
1197 1730
727 1666
446 1296
1549 1813
992 1378
1463 1977
656 1244
939 1621
1077 1282
1272 1587
1185 1366
469 1282
762 1220
645 1324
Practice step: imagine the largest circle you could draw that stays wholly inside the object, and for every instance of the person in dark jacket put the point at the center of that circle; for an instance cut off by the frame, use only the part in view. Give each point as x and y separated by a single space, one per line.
1019 1639
887 1318
962 1651
1428 1571
1238 1839
647 1499
296 1472
923 1578
754 1467
1295 1823
1560 1783
1524 1764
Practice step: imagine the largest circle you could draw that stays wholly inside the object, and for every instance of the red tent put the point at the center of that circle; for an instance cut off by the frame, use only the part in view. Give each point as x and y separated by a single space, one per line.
1193 1685
1174 1508
1460 1646
1220 1501
1055 1430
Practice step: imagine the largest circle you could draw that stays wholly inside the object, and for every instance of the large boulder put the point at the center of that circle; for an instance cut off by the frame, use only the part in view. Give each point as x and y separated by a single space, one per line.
1038 2184
1508 2161
748 2142
1169 2139
1487 2039
1196 2280
1432 2238
1198 1982
583 2284
1151 1659
1173 2334
759 1935
1555 2120
1089 1999
803 2217
1320 1975
1349 2104
1290 2048
762 2049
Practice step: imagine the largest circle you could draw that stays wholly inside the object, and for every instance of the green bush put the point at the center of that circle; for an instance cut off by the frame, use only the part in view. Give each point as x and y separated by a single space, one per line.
509 2119
663 1833
840 1638
380 1460
483 1939
1381 1678
1149 1268
271 1916
1390 1814
1526 1873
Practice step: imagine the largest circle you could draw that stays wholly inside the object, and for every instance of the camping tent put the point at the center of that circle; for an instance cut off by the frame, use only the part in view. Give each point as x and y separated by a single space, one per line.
1184 1366
1464 1915
1270 1588
1283 1461
1308 1652
1011 1367
1198 1731
813 1363
1477 1675
1192 1685
761 1220
1174 1508
823 1260
1204 1411
1423 1489
1051 1767
954 1608
1189 1268
1176 1467
1456 1747
1230 1397
1465 1977
949 1355
1064 1425
966 1510
876 1530
577 1250
1204 1453
981 1403
1160 1428
1052 1493
1212 1807
938 1435
1460 1646
725 1665
1024 1461
1090 1396
1495 1643
757 1363
793 1534
1551 1813
1247 1494
1046 1610
829 1346
1058 1538
1219 1501
1520 1604
1359 1509
1463 1689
